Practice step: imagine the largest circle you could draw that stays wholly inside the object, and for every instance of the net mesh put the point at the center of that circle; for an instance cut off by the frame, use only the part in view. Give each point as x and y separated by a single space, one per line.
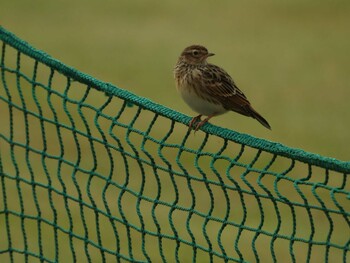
92 173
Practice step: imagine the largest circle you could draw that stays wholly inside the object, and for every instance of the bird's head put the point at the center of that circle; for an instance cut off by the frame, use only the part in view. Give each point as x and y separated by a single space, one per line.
195 55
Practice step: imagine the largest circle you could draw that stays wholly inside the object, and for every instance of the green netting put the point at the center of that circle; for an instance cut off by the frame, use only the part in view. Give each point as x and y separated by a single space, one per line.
93 173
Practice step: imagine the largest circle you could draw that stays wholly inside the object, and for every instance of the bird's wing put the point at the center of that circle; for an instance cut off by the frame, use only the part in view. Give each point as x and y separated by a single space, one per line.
220 85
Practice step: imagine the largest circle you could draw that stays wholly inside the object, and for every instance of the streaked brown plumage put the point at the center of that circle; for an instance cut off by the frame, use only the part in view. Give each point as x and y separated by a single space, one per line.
208 89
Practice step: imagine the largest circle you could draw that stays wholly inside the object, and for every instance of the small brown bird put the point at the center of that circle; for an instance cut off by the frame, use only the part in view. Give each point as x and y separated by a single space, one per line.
208 89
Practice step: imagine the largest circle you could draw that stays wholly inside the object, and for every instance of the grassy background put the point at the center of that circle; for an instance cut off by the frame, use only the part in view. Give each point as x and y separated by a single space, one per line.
289 57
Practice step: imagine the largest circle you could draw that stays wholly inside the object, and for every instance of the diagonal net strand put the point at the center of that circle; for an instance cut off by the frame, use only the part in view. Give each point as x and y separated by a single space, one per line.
92 173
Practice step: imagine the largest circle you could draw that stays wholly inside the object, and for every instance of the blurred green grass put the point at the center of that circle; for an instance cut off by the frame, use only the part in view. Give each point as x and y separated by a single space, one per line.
290 58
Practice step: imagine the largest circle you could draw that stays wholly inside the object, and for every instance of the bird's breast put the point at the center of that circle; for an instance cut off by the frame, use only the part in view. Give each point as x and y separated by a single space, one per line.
192 93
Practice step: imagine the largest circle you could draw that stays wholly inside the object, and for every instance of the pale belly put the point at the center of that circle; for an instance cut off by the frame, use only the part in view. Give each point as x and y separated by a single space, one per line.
200 105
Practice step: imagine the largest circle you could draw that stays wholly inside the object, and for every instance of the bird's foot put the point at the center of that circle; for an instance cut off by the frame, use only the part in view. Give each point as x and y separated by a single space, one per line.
193 121
201 123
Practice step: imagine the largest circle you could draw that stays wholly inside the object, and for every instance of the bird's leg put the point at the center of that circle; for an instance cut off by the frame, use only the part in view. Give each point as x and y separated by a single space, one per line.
200 124
194 120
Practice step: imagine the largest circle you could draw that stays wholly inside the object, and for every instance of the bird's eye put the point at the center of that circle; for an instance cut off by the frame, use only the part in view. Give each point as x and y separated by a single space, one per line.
195 53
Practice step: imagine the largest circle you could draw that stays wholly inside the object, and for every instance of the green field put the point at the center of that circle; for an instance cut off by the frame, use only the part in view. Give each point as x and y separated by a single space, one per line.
291 58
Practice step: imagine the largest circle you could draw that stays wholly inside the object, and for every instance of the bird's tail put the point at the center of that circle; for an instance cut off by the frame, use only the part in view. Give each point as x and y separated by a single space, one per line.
259 118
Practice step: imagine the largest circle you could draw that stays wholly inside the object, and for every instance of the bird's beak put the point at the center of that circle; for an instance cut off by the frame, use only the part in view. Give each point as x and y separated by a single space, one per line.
210 54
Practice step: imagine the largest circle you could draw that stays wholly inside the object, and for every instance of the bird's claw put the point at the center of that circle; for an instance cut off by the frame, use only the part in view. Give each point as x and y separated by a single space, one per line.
201 123
192 123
